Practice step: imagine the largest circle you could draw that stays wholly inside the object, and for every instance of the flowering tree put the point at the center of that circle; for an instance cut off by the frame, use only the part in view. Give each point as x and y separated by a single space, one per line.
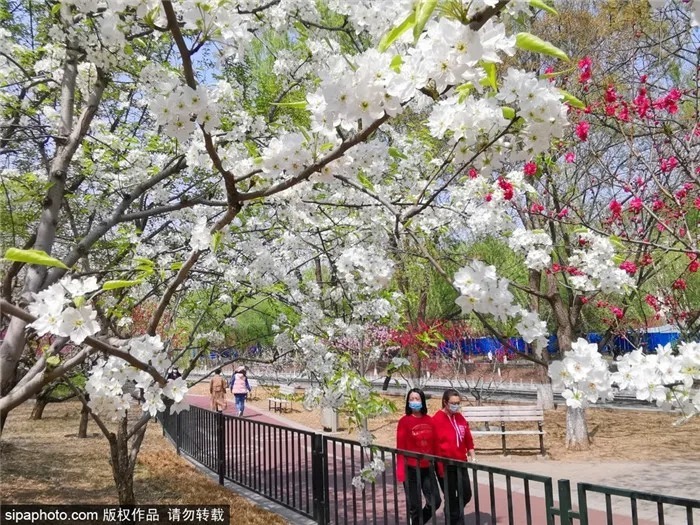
157 172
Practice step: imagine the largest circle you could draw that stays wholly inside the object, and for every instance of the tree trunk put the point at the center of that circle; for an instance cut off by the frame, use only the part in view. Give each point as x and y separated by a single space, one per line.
122 466
123 457
545 395
39 407
82 427
576 429
69 138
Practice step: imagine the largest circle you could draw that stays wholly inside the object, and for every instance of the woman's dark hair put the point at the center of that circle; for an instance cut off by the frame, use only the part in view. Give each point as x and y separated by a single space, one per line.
450 392
424 408
217 371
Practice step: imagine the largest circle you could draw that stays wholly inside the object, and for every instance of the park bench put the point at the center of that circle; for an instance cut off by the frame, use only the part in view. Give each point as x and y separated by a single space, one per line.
502 414
283 400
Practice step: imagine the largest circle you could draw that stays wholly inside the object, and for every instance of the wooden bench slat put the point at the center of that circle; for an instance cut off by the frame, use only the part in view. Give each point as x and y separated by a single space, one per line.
497 432
502 418
502 414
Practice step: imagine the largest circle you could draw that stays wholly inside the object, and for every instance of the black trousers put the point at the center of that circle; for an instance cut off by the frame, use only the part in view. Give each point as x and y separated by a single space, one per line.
421 480
457 491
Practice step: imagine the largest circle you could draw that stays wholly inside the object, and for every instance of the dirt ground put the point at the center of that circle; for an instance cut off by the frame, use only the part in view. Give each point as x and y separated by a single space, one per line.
44 462
617 435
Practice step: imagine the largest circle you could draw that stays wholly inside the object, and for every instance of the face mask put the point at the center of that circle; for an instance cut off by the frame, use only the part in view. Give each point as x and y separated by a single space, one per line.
453 408
415 405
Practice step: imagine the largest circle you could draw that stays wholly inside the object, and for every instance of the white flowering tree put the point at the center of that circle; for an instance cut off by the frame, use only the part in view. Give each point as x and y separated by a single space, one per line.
156 171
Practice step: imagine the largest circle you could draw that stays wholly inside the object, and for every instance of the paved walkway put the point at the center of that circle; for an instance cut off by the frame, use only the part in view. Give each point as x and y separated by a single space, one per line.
680 479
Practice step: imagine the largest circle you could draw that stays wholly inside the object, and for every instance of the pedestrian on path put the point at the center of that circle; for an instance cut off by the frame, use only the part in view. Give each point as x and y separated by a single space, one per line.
415 433
240 388
217 390
453 441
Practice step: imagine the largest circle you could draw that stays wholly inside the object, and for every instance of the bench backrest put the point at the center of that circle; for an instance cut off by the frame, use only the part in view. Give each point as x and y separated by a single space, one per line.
287 390
503 413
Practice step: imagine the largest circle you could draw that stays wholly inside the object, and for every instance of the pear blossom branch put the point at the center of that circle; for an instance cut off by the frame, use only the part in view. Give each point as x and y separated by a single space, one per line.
33 386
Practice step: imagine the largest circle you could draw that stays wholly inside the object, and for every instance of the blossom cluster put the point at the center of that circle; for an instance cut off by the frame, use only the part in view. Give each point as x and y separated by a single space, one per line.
665 377
583 373
482 291
594 260
112 381
55 315
63 309
535 244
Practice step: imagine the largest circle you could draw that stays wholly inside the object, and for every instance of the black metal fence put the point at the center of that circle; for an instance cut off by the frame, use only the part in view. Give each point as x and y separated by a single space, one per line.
313 474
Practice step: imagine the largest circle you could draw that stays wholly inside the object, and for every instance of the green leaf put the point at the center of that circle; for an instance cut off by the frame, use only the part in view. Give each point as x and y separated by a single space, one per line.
113 285
530 42
33 257
616 242
53 360
396 64
541 4
216 241
508 112
176 266
490 69
463 91
554 74
424 9
365 181
396 153
396 32
572 100
300 104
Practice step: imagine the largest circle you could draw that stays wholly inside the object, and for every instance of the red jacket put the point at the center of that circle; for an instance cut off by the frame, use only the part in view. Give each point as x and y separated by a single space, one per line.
452 437
414 434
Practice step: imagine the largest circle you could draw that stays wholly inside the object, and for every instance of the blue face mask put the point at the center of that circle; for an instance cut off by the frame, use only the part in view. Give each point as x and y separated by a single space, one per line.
454 408
415 405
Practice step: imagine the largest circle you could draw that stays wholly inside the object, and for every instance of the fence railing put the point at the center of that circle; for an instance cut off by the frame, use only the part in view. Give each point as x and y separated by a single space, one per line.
313 474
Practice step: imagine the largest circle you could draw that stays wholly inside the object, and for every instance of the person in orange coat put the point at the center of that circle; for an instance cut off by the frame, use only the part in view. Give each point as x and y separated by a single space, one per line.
415 434
453 440
217 390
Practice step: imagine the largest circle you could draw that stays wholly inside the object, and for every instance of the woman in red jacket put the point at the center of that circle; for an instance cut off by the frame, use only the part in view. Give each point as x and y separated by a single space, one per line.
453 440
415 434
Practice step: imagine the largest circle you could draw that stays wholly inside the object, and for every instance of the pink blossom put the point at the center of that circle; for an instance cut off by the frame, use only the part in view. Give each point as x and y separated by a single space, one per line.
636 205
652 301
642 103
679 284
629 267
530 168
610 94
584 66
582 130
668 164
570 157
507 188
615 209
617 312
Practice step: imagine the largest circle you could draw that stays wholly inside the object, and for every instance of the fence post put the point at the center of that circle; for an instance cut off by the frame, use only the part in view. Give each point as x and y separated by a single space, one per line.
221 446
564 502
178 432
319 464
